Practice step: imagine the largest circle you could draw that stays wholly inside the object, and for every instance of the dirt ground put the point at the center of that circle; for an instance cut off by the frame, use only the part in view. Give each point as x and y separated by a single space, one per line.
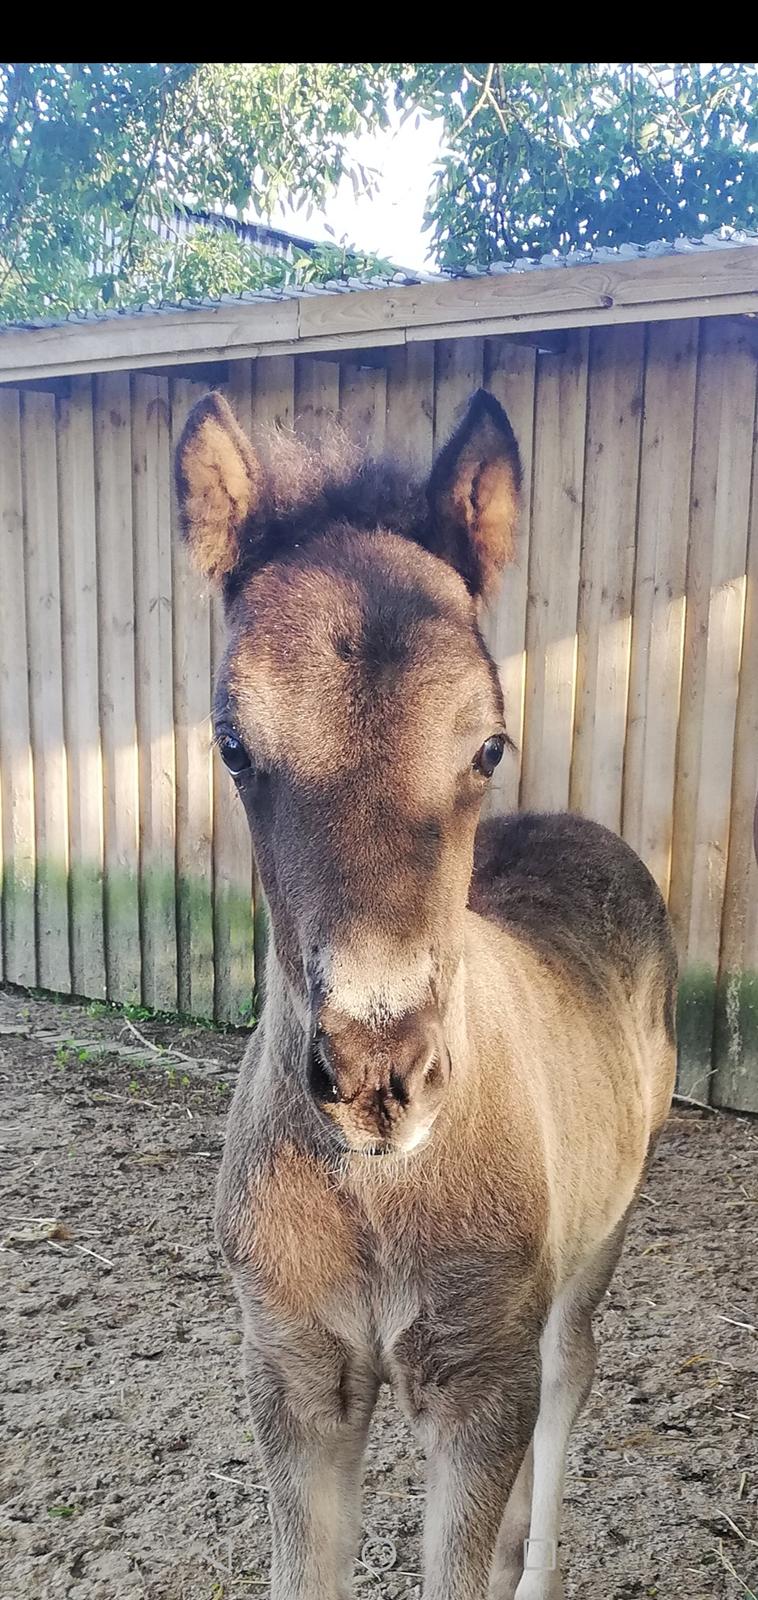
127 1462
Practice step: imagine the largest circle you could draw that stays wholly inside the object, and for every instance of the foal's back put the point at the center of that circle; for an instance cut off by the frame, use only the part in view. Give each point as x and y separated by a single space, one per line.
582 899
587 1014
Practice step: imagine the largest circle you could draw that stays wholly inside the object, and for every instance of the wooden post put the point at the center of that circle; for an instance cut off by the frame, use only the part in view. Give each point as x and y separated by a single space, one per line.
151 467
363 406
612 464
510 373
559 435
43 596
194 791
726 397
273 396
735 1081
317 396
16 777
232 851
409 433
81 680
459 372
658 626
113 469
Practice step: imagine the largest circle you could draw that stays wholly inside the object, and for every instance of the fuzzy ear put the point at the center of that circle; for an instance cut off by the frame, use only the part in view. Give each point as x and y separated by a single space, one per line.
473 495
219 485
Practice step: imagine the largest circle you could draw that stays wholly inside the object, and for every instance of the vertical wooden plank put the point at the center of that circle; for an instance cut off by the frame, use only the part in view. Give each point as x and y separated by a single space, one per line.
723 451
232 851
273 392
317 396
459 370
151 468
735 1082
363 406
194 803
409 431
735 1056
43 623
658 618
273 404
612 462
16 777
559 436
118 722
510 374
81 680
241 390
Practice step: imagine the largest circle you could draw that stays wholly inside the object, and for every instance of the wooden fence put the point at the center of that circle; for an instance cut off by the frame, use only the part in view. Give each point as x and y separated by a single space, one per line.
626 636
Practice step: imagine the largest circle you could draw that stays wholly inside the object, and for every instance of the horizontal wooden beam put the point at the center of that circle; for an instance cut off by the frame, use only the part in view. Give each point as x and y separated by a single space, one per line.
661 311
151 338
702 283
541 292
115 361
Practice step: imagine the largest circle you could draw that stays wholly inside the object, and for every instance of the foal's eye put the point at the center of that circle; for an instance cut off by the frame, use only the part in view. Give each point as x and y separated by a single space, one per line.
491 753
233 753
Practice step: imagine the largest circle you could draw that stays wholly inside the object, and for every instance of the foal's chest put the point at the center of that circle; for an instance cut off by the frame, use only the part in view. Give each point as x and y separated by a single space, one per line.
319 1252
387 1273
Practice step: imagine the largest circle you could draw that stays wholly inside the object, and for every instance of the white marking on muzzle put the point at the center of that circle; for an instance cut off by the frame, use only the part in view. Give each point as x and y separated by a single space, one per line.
373 982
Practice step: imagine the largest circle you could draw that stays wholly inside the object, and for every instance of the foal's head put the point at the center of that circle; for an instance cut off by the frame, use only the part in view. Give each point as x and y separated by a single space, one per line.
361 717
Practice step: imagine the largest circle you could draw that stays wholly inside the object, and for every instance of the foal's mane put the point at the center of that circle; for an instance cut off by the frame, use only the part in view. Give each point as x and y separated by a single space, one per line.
310 489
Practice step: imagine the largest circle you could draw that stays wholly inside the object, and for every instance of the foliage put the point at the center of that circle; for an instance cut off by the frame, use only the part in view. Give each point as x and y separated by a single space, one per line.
536 157
211 262
91 153
544 157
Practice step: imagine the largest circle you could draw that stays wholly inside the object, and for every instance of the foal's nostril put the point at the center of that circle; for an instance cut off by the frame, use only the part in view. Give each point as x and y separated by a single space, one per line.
423 1078
321 1077
398 1088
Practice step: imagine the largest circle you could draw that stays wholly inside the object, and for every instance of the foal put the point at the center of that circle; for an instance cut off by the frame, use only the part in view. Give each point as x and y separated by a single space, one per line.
467 1047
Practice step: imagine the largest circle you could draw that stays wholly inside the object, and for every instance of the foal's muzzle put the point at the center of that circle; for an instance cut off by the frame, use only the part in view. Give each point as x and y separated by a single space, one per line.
381 1087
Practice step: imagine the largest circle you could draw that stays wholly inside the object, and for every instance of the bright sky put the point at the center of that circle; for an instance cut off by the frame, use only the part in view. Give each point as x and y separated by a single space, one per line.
391 223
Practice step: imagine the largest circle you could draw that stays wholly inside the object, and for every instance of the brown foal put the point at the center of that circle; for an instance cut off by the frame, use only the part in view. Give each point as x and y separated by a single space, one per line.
467 1045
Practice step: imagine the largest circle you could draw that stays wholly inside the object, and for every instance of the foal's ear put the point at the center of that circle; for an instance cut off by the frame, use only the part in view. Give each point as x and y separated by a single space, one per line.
219 485
473 495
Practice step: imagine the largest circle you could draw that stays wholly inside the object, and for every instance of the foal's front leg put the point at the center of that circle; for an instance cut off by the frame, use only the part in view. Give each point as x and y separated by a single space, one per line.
473 1463
310 1414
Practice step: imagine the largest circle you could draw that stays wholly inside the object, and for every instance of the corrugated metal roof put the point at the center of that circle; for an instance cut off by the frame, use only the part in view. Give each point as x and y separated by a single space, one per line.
249 232
402 278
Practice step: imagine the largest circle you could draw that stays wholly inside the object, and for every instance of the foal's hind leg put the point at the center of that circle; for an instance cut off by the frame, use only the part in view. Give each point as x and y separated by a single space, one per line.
568 1357
567 1349
508 1560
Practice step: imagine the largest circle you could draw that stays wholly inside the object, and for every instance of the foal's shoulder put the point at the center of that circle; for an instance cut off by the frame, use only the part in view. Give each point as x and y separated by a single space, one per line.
558 879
